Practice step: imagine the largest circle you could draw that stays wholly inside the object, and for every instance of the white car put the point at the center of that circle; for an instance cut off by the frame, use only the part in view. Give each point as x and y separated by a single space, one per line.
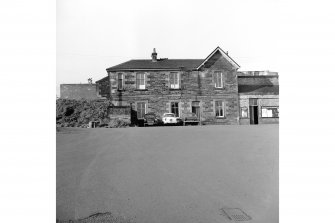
170 118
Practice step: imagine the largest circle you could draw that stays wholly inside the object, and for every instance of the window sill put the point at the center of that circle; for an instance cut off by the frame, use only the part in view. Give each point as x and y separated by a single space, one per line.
174 89
220 117
269 117
141 90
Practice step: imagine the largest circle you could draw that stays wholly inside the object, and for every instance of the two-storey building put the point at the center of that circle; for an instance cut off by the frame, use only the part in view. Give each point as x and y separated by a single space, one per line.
207 87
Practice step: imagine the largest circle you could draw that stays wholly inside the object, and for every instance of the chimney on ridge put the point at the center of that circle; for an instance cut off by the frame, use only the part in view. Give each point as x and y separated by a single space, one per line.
154 56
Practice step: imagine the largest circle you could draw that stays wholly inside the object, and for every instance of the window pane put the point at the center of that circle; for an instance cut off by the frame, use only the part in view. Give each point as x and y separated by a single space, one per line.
219 108
218 79
253 101
215 79
174 108
140 81
137 80
270 112
174 80
244 112
140 109
120 81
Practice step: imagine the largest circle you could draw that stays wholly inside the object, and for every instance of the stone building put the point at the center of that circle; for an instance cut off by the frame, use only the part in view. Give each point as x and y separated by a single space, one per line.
212 88
258 99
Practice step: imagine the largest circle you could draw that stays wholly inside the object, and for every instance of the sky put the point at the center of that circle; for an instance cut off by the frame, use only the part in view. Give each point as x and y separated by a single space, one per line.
95 35
295 38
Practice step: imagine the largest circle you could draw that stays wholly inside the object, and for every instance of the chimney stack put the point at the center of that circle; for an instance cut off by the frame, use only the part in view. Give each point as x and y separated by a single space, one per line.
154 56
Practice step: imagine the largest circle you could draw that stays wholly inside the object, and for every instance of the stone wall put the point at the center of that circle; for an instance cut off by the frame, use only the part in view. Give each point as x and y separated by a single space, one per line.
103 87
195 86
78 91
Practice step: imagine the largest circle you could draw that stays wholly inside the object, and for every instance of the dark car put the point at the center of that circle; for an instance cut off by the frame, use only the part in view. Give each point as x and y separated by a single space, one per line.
151 119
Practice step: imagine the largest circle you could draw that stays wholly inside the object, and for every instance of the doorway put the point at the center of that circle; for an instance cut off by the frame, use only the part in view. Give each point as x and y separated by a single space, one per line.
196 108
253 115
253 108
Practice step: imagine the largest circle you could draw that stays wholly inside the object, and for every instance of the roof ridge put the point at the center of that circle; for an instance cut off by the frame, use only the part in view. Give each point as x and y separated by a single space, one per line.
160 64
164 59
119 64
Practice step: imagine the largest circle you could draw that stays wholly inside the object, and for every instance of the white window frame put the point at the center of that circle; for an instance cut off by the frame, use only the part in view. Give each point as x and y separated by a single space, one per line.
145 108
140 86
175 84
223 109
178 107
220 85
267 116
244 107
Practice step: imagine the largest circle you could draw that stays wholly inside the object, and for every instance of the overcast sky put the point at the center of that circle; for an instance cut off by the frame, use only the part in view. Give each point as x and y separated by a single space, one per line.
95 35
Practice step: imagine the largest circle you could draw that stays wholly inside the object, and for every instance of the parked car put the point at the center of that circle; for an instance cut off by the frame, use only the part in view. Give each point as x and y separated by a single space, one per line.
170 118
152 119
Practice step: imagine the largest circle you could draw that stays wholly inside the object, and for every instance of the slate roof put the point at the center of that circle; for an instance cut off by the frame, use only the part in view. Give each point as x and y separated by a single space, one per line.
258 89
102 80
168 64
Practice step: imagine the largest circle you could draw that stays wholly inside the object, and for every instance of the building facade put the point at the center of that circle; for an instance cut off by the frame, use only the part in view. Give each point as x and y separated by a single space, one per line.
258 99
207 87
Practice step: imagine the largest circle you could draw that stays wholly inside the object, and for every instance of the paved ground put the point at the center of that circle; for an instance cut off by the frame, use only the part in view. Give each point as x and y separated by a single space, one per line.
169 174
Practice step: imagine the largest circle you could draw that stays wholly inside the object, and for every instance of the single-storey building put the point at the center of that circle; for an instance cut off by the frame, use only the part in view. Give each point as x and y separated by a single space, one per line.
212 88
258 99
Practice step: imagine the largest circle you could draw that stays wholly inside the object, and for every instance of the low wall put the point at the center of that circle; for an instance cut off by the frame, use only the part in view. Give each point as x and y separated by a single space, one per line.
79 91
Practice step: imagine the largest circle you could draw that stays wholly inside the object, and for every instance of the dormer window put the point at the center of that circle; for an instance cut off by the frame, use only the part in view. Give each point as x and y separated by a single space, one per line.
174 80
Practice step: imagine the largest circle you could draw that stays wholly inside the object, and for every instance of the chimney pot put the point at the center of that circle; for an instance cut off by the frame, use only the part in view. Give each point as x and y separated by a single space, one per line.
154 55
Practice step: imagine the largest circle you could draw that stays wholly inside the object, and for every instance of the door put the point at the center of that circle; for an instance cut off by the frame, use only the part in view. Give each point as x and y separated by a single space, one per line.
253 115
196 108
253 108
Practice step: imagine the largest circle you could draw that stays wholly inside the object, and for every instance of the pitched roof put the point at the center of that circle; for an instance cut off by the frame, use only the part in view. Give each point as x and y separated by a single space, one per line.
161 64
173 64
102 80
258 80
258 89
224 54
